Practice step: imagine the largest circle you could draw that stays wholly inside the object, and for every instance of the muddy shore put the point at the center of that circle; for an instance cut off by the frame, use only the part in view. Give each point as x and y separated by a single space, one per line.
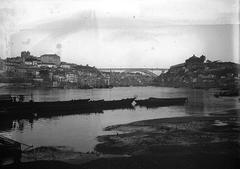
194 142
139 137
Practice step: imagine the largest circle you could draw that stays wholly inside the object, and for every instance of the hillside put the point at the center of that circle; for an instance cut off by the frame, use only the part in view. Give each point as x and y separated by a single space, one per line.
196 72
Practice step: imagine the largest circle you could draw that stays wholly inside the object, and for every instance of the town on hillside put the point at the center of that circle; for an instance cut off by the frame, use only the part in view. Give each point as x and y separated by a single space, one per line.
48 71
197 72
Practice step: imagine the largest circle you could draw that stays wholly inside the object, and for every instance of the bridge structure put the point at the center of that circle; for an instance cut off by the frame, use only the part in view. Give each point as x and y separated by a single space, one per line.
153 72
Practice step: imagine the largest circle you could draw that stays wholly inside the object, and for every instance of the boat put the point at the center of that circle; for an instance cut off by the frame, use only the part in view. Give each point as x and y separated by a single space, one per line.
227 93
158 102
32 106
10 149
115 104
21 108
5 98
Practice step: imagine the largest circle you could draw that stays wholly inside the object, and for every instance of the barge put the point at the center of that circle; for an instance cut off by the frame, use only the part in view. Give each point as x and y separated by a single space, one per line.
82 105
158 102
9 149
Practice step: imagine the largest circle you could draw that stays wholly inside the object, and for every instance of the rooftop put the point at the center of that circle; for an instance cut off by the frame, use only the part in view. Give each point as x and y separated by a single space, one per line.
52 55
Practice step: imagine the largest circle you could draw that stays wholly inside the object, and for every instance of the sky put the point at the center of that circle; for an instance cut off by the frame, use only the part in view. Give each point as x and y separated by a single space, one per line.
121 33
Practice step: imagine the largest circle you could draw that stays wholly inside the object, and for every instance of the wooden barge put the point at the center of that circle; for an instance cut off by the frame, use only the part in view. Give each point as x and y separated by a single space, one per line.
117 104
228 93
82 105
158 102
9 149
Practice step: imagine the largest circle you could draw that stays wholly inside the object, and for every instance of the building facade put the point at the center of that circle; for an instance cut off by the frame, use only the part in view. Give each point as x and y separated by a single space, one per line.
51 58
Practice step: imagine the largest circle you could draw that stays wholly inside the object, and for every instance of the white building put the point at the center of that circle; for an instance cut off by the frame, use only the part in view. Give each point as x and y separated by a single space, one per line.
49 65
72 78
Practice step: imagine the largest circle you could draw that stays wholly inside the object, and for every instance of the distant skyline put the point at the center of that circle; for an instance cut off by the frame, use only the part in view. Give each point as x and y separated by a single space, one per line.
114 33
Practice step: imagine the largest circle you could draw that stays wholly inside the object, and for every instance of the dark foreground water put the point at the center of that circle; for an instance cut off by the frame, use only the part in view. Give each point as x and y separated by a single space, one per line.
80 131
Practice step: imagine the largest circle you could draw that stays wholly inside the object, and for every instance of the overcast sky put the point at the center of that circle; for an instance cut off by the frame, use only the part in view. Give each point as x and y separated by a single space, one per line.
121 33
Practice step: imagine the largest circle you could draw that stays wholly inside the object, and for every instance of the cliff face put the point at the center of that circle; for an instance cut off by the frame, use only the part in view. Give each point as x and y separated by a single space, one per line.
196 73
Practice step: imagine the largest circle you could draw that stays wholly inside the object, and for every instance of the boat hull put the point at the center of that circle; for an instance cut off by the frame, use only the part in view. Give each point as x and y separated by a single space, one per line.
158 102
9 149
63 107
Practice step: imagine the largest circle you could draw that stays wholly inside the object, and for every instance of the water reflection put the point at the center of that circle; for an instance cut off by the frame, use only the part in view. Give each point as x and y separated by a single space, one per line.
80 130
9 124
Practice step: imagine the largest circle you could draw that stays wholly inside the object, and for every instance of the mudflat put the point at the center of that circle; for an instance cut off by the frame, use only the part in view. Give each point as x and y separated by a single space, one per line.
145 136
191 142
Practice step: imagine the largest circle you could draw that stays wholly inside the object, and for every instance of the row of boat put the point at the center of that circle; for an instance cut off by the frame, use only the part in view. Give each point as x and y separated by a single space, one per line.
83 105
65 106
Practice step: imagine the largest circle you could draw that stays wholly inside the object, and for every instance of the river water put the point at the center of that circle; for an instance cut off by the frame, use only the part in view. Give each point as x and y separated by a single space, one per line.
80 131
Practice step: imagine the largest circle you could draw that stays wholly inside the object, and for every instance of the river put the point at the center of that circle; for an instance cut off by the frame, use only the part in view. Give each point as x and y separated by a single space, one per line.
80 131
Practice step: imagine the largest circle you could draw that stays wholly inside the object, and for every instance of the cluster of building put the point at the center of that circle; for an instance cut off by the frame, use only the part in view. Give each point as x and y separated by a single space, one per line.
125 79
48 71
197 72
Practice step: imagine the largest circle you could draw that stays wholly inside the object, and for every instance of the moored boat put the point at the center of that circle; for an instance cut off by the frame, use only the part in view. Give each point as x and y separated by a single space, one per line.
17 108
9 149
5 98
157 102
43 106
228 93
113 104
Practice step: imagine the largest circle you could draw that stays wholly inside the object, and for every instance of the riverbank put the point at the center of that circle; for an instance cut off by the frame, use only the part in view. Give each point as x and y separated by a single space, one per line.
180 142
